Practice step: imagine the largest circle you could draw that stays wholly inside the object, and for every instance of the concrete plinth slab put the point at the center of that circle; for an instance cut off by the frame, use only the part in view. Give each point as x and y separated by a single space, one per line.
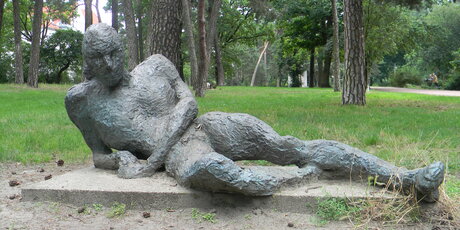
96 186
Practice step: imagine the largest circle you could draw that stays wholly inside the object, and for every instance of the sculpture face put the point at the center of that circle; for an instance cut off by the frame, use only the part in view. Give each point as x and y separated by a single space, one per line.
103 53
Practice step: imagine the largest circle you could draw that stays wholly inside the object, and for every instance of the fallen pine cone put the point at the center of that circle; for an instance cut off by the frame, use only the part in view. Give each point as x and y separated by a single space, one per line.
14 183
146 214
60 163
48 177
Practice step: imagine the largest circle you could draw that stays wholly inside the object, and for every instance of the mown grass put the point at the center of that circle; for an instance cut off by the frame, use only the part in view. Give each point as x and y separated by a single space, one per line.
410 130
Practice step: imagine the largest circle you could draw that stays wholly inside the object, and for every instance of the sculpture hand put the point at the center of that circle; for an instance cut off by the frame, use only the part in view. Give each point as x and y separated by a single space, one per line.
130 167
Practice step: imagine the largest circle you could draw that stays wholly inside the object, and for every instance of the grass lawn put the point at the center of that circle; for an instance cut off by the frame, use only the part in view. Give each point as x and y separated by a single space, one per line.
410 130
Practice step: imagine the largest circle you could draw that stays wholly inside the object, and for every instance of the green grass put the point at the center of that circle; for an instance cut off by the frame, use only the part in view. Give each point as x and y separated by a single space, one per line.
409 130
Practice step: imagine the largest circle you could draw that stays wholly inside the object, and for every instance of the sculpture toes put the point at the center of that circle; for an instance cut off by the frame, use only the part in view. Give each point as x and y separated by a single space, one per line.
428 181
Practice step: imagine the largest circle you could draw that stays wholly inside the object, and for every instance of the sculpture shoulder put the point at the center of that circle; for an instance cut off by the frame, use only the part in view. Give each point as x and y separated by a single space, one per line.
155 67
77 96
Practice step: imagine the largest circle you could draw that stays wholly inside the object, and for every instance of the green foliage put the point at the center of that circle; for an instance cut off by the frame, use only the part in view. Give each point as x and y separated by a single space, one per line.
60 52
436 48
335 209
203 216
117 210
404 76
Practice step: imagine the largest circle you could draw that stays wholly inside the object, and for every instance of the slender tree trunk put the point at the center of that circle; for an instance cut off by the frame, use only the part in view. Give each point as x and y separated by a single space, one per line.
311 76
326 69
140 34
200 88
253 79
61 70
2 5
18 62
133 58
166 28
190 41
320 61
219 65
336 48
212 23
99 20
35 47
88 14
115 14
354 85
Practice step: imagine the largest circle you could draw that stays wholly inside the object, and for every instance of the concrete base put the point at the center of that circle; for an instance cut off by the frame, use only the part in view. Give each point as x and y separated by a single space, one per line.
96 186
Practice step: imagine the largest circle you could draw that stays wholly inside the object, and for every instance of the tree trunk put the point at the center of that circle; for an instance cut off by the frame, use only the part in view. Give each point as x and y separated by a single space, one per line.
190 41
253 79
326 69
212 23
88 14
311 76
166 28
115 14
61 70
140 30
336 48
18 62
200 87
99 20
219 65
2 5
354 85
133 58
35 47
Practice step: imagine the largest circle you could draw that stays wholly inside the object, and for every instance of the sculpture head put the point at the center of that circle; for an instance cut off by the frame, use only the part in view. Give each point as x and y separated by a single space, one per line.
103 55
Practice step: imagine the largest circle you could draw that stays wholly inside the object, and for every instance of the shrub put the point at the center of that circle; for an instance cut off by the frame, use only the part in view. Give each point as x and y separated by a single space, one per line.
404 76
454 81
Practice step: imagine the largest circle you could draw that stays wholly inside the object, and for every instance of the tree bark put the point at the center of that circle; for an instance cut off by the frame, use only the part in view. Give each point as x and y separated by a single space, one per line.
354 86
190 41
88 14
18 62
115 14
2 5
253 79
140 30
311 76
61 70
166 28
326 69
212 23
99 20
219 65
336 48
132 42
200 87
35 47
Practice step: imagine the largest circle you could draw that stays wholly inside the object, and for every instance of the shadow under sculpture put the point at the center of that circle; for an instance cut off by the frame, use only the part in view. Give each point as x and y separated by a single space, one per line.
150 114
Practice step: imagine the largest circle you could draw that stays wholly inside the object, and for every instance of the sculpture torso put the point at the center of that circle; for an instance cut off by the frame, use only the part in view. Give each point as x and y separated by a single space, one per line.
128 117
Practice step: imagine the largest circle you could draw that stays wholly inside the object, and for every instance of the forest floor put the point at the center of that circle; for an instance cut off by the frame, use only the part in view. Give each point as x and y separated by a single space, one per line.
437 92
15 214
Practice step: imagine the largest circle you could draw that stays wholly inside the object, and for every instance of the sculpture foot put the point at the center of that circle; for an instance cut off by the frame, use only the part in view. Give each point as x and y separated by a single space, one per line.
428 180
130 167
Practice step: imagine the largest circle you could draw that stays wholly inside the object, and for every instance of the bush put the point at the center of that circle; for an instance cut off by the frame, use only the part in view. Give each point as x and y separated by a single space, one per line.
404 76
454 81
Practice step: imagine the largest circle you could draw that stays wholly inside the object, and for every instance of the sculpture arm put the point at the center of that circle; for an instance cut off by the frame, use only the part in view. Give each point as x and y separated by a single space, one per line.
75 101
183 113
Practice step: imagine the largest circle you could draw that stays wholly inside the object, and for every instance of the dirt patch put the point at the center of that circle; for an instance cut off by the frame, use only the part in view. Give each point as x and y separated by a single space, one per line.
15 214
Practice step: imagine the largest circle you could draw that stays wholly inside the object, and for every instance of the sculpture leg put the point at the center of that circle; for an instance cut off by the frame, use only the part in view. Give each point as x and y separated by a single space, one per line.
340 160
194 163
244 137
